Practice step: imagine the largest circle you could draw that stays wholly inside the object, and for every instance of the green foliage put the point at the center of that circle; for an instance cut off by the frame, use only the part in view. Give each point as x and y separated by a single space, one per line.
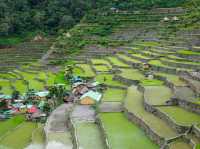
53 15
28 15
60 78
147 82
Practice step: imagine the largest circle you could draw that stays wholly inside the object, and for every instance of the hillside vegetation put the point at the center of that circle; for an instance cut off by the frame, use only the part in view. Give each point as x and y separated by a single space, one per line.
29 15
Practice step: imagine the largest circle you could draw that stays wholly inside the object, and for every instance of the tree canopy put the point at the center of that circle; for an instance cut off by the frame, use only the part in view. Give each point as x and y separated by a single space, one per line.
18 16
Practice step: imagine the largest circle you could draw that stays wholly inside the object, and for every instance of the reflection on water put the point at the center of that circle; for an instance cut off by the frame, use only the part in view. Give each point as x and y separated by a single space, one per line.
57 145
35 146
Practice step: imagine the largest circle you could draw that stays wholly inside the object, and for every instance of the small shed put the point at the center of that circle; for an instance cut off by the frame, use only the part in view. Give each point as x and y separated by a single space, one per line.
90 98
175 18
166 19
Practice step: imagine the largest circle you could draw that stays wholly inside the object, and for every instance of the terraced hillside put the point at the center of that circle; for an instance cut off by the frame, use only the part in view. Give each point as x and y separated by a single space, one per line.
156 106
164 107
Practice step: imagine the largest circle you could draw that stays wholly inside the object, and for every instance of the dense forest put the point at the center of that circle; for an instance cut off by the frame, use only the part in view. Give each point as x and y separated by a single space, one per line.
50 16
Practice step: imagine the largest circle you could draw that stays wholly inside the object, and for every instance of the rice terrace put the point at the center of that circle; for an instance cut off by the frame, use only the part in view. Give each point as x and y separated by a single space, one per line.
100 74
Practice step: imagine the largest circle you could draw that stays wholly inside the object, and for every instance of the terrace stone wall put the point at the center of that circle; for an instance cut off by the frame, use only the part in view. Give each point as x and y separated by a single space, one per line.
181 65
152 109
103 133
193 107
72 128
166 81
191 85
190 57
190 106
137 58
163 69
149 132
116 87
134 65
181 138
196 130
126 81
58 122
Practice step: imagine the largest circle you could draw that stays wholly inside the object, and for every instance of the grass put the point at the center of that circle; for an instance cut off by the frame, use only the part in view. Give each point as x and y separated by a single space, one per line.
50 79
38 136
20 137
8 75
26 75
112 94
126 58
181 62
152 53
100 61
149 43
158 63
162 51
9 41
37 85
9 125
123 134
107 79
42 76
176 57
172 78
6 87
131 74
140 56
20 86
101 68
157 95
87 70
30 77
180 115
78 71
117 62
153 82
89 136
60 78
188 52
134 104
179 144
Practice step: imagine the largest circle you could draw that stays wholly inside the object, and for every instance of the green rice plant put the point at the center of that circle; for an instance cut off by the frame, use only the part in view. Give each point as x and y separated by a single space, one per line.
117 62
188 52
10 124
180 115
88 135
134 104
175 79
108 79
121 133
102 68
112 94
151 82
20 137
157 95
131 74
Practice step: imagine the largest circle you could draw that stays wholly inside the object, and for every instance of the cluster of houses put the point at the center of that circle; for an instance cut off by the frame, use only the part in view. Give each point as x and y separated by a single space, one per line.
10 106
85 93
82 92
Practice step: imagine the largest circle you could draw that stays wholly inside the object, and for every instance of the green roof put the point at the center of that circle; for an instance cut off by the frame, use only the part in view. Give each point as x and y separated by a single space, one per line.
94 95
